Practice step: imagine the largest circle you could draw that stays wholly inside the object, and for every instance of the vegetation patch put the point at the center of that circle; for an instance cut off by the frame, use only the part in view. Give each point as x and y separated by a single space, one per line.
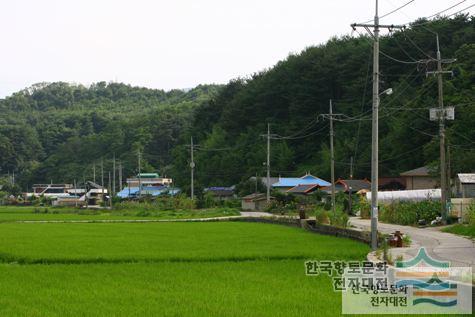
462 229
410 213
136 212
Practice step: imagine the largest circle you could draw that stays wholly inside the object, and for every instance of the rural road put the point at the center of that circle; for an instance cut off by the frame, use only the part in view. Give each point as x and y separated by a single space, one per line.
439 245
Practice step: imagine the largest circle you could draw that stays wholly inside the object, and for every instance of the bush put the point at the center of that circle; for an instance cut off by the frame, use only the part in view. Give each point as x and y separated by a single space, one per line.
364 207
471 214
322 216
179 202
339 219
409 213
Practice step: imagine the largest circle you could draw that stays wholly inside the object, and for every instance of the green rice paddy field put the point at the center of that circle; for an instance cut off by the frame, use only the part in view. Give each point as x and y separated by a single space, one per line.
166 269
15 213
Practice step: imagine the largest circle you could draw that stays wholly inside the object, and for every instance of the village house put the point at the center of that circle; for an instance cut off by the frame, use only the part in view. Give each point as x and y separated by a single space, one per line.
464 193
353 185
221 193
419 178
147 184
254 202
286 183
465 185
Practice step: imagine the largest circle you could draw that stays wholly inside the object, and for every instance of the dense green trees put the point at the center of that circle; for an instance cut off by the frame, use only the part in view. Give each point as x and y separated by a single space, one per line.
294 94
57 131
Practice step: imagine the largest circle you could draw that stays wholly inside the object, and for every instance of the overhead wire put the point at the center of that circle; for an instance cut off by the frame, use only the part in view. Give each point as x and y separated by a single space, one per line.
391 12
446 16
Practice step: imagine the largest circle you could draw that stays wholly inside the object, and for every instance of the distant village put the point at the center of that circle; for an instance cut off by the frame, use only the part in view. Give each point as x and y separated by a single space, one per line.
414 185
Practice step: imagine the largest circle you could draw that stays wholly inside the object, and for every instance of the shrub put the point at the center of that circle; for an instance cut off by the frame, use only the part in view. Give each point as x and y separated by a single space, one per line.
471 214
339 219
364 207
322 216
179 202
409 213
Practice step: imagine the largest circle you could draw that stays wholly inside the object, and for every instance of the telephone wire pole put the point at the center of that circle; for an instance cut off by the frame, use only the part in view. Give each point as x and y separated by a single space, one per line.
375 121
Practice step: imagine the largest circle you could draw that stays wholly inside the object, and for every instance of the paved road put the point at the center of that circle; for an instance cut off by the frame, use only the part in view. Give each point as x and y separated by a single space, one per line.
440 245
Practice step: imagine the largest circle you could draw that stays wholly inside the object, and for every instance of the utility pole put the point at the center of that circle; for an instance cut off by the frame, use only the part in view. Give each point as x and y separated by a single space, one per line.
332 157
255 189
113 175
374 138
443 166
85 191
120 175
449 172
75 194
192 172
102 180
268 165
109 190
441 116
140 172
351 167
94 172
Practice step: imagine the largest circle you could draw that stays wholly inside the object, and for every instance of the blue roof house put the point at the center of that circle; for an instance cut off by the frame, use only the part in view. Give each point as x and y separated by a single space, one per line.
286 183
133 192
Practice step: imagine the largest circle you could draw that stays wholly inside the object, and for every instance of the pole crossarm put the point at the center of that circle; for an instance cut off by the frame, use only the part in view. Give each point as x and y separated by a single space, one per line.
436 72
384 26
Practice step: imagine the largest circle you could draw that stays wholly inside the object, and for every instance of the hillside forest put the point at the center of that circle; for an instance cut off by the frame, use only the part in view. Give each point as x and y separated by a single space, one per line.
59 131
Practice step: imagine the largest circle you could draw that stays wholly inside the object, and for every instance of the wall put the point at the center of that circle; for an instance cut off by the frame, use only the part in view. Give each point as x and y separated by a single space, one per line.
421 182
468 190
460 206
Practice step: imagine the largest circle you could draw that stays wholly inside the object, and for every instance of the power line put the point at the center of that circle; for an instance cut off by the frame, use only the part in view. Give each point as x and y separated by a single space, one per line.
391 12
445 10
277 137
385 54
417 46
397 9
447 16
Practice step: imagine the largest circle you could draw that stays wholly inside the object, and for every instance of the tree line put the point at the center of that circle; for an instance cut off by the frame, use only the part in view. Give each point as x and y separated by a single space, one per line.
57 131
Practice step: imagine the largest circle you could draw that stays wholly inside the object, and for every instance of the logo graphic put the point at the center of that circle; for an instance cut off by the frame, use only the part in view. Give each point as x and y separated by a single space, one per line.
421 285
428 279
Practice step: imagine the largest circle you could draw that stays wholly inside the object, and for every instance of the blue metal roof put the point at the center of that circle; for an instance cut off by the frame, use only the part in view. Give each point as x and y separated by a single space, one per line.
148 190
305 180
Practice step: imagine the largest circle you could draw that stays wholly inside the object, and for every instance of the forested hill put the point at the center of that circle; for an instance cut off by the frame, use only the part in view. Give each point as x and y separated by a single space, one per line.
292 96
57 131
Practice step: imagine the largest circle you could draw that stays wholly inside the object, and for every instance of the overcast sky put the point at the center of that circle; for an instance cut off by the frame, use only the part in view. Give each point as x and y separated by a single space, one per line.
174 43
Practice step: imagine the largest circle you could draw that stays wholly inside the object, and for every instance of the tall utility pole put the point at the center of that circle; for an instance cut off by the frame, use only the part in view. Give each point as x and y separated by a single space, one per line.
332 157
94 172
75 194
268 165
374 138
351 167
192 172
140 172
109 190
120 175
113 175
441 113
102 179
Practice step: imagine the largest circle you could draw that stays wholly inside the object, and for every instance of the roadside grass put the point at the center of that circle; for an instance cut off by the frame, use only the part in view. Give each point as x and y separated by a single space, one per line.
159 242
464 230
29 213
